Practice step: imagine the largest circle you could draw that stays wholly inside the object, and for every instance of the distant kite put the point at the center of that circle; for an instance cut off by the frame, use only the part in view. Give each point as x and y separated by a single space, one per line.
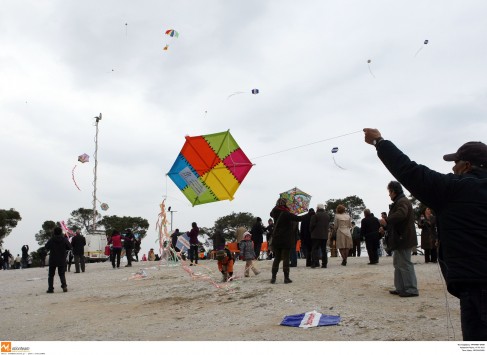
104 206
424 44
171 33
253 92
370 70
334 151
84 158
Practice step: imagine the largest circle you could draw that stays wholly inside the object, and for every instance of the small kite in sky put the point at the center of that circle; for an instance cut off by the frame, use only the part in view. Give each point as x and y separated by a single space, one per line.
84 158
210 168
334 151
424 44
253 92
104 206
171 33
370 70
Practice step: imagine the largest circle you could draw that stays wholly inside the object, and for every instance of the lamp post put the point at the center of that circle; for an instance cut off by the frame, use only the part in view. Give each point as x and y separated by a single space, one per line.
171 212
98 119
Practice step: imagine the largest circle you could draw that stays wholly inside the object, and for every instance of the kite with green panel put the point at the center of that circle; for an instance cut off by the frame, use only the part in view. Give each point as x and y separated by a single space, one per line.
210 168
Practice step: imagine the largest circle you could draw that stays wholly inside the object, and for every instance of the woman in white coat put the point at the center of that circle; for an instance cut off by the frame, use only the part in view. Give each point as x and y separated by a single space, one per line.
343 223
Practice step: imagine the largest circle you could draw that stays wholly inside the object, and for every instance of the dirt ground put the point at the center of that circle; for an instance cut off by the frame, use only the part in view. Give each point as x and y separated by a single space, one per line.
170 304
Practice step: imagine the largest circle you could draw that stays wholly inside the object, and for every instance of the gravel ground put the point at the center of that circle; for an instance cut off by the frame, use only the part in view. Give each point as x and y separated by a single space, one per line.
171 304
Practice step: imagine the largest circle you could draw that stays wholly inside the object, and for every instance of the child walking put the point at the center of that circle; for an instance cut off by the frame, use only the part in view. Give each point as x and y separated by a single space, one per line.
247 253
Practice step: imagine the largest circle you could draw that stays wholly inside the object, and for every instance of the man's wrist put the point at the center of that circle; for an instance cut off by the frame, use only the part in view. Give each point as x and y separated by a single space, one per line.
376 142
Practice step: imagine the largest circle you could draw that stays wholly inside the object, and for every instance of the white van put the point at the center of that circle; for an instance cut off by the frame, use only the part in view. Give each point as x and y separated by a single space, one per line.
95 246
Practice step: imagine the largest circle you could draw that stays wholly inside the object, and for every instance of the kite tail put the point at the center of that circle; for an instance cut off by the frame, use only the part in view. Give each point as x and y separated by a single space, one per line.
370 71
419 50
236 93
74 180
337 164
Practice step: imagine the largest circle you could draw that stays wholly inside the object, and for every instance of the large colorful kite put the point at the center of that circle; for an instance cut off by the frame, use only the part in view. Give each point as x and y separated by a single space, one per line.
210 168
298 200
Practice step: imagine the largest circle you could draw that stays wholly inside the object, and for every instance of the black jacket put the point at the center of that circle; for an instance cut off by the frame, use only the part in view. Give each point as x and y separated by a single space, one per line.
400 224
369 228
318 225
460 203
284 236
78 243
257 232
128 241
58 245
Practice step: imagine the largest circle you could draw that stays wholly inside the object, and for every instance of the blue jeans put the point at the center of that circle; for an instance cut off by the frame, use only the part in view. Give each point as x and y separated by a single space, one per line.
404 275
473 313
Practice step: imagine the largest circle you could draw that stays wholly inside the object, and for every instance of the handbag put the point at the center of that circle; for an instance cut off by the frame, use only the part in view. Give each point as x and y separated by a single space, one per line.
269 244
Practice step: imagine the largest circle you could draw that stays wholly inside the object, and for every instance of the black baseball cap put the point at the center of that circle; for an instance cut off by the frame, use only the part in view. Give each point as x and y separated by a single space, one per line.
474 152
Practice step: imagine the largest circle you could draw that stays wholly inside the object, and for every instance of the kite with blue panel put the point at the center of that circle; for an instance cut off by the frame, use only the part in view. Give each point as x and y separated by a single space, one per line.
210 168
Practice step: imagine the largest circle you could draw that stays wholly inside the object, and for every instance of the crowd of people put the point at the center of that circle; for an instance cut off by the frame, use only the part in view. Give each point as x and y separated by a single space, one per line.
452 234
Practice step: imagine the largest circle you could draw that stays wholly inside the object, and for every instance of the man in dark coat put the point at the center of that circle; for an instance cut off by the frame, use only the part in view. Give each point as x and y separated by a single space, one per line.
58 245
460 203
305 235
357 240
137 242
318 228
283 238
78 243
25 256
128 244
257 232
402 239
369 231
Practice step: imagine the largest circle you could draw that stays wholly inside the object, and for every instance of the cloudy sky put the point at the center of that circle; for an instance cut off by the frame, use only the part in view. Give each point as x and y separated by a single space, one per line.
64 62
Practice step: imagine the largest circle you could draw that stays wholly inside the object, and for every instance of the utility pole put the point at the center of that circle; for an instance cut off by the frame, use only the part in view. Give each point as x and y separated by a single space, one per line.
171 212
98 119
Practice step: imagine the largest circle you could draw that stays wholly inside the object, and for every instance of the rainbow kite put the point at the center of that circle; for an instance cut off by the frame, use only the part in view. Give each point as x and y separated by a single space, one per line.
210 168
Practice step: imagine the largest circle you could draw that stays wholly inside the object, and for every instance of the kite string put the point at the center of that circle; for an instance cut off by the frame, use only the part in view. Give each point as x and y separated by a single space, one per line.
305 145
74 180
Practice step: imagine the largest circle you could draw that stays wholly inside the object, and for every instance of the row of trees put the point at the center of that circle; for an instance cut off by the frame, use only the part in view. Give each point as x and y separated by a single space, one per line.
8 221
82 220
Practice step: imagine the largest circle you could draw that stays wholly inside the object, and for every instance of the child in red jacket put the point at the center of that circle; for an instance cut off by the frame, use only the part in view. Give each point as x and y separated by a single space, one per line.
225 264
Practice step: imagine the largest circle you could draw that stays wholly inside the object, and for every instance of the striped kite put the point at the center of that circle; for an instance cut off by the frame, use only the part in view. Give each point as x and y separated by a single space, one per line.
210 168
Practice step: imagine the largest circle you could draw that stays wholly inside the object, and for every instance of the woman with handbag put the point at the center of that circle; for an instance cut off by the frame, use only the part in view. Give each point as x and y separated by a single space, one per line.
282 238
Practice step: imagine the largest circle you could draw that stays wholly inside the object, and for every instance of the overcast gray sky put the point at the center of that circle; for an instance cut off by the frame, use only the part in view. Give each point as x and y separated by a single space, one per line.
64 62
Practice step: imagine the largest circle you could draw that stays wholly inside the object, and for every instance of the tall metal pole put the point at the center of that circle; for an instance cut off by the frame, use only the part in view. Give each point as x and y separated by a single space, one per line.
98 118
171 212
